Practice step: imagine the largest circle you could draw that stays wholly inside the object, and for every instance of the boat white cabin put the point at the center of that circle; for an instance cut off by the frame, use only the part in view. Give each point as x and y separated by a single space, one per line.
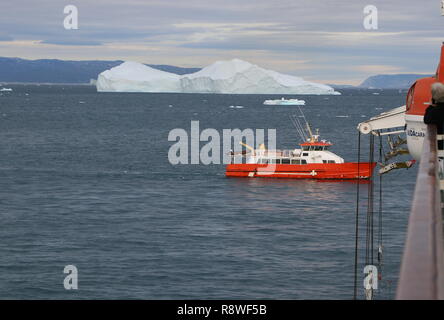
311 151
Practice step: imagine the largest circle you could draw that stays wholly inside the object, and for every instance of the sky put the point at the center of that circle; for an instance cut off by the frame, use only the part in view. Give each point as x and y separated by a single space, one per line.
319 40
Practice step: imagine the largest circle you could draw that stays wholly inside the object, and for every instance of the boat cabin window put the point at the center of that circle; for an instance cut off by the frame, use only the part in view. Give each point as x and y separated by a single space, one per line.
303 161
295 161
275 161
285 161
263 161
314 148
331 161
305 154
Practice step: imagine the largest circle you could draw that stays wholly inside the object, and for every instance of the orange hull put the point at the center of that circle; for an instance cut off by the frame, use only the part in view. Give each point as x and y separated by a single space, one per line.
347 170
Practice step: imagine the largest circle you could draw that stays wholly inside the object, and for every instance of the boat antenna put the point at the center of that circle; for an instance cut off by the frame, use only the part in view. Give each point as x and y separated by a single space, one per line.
306 124
302 114
298 126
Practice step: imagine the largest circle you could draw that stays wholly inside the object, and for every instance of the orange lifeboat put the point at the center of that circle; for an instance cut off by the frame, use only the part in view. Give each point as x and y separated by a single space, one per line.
418 99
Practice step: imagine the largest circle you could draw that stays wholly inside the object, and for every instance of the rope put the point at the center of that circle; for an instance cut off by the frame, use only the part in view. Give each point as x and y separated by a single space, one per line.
372 159
355 287
298 126
380 209
369 223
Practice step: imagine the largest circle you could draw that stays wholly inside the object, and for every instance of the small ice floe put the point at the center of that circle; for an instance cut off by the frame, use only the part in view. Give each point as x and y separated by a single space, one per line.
170 105
376 93
378 108
285 102
236 107
346 116
363 116
5 90
81 102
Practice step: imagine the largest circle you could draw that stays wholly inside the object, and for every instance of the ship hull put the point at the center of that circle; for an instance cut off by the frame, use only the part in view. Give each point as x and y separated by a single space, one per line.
343 171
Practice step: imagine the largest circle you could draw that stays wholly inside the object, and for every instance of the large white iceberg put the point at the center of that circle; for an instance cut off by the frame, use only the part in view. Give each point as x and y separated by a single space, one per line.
233 76
136 77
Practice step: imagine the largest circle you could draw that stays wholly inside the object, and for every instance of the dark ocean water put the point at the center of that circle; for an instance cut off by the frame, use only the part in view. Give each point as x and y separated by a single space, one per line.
85 180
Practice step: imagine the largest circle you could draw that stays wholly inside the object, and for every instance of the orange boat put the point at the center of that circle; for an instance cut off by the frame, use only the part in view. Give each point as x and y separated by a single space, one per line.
312 161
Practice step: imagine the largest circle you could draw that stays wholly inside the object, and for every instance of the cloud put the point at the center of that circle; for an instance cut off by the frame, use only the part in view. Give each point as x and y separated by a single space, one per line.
78 42
4 37
376 69
316 39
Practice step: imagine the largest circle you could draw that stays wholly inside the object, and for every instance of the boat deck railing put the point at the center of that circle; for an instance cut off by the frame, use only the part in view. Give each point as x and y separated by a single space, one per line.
422 268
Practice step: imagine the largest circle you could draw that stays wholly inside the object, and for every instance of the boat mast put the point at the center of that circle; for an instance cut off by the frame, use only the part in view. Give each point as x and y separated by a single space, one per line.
248 147
312 138
301 130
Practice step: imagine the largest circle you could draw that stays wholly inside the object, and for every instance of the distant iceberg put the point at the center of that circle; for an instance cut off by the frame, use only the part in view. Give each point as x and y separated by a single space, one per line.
233 76
137 77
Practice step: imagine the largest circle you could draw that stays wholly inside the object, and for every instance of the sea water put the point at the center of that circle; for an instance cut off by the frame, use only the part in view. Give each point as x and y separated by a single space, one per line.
85 180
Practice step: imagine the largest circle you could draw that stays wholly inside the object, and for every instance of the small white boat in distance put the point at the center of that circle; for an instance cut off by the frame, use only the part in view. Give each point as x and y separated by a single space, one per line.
285 102
5 90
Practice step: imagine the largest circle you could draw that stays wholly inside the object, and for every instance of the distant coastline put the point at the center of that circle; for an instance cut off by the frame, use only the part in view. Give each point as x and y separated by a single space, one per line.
67 72
17 70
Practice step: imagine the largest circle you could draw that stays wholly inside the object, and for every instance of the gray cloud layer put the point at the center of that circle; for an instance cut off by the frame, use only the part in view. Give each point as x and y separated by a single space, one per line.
319 40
